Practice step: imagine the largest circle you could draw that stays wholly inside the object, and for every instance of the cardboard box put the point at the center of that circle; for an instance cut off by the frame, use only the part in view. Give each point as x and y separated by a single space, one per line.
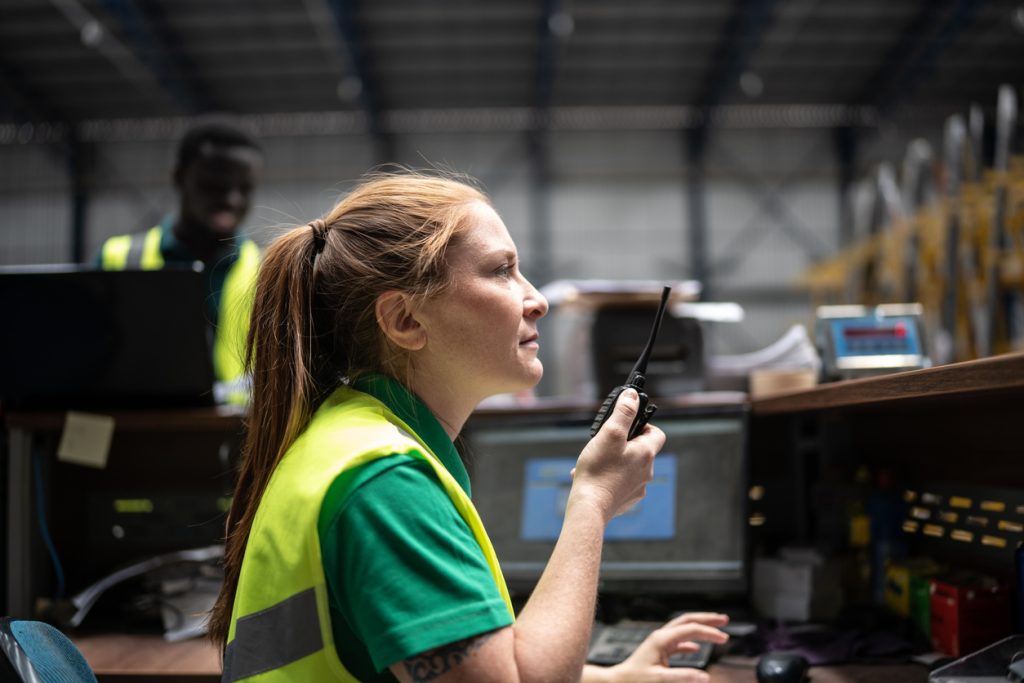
797 588
769 381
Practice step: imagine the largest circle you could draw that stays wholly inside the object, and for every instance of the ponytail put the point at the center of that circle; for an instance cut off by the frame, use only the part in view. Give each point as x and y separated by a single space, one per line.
279 357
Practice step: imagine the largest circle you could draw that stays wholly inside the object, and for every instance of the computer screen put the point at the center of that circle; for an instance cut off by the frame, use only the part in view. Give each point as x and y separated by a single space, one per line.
687 536
82 338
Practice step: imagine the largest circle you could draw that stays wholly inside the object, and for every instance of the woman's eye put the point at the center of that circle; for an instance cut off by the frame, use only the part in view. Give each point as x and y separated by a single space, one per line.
505 270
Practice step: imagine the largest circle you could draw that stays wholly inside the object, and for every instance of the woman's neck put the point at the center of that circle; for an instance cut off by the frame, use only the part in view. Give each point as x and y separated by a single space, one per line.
443 400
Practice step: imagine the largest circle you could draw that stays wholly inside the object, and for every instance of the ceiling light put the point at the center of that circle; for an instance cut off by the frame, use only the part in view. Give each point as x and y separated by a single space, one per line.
561 24
349 89
1018 18
91 33
751 84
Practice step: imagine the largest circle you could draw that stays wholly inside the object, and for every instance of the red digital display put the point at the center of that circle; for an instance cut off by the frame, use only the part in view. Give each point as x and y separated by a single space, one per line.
898 330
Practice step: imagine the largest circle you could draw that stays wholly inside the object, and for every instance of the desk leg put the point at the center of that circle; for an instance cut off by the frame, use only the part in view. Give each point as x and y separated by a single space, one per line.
19 524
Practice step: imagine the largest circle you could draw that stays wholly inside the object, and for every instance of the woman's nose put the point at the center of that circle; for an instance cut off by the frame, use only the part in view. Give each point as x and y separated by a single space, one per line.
534 304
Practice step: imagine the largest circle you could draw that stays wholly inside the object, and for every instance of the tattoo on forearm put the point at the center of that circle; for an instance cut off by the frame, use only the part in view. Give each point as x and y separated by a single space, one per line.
437 662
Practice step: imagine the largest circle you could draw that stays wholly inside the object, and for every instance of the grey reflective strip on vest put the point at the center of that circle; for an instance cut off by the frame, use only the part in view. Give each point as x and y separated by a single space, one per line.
274 637
136 245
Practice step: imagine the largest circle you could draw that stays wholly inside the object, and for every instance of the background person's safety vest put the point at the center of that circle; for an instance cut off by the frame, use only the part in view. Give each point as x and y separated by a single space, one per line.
280 624
142 252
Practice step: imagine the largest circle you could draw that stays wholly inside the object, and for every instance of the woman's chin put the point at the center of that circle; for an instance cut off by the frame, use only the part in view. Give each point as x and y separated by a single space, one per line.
537 372
528 379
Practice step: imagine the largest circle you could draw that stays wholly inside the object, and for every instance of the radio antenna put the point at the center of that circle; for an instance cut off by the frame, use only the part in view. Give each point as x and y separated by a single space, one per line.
641 364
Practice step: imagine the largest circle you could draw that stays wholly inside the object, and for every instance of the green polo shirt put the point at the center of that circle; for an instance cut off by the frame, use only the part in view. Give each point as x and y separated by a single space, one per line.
404 573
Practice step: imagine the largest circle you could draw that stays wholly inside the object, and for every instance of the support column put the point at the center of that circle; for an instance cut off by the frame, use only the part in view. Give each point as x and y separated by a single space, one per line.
696 149
78 167
846 157
540 205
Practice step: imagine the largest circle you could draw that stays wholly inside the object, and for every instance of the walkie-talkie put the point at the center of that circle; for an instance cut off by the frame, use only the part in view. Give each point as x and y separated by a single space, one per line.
636 381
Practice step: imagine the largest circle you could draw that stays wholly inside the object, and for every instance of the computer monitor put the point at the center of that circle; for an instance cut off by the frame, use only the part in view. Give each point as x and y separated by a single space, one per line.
82 338
686 537
676 365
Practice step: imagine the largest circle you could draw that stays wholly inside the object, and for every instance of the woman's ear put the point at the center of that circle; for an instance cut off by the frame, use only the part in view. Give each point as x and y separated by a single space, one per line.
397 321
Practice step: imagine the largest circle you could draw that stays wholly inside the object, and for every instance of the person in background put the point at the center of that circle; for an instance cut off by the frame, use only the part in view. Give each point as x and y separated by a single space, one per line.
353 550
215 171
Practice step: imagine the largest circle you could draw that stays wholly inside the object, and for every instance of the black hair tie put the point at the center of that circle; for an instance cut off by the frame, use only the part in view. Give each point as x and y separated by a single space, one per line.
319 228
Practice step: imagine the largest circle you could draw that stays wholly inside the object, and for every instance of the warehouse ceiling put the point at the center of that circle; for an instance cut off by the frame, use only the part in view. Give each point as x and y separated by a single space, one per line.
72 61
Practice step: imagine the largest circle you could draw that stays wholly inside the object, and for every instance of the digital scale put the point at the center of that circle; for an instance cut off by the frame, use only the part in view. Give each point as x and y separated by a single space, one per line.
860 341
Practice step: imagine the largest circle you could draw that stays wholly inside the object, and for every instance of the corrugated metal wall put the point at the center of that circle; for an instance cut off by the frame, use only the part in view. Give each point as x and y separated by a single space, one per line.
618 203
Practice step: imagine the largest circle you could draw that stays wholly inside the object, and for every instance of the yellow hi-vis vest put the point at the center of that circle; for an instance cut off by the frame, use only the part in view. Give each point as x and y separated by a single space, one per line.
142 252
280 624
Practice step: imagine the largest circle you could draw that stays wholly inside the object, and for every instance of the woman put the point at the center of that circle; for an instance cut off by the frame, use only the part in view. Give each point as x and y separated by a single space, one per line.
353 550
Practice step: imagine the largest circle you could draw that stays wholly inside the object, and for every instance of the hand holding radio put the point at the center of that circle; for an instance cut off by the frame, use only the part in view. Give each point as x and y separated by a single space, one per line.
612 471
636 381
622 468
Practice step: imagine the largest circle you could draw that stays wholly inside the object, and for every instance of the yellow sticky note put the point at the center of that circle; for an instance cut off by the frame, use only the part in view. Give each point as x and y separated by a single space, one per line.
86 439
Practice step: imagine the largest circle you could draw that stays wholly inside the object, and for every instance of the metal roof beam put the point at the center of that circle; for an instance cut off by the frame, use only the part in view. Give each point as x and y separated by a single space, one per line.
351 39
21 101
55 129
145 64
157 47
912 59
741 36
538 144
547 59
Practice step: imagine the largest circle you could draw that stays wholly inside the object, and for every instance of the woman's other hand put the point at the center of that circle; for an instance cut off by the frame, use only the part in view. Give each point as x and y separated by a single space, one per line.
613 470
649 662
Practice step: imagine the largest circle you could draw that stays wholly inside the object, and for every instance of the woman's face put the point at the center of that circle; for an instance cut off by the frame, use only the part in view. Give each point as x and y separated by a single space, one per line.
482 332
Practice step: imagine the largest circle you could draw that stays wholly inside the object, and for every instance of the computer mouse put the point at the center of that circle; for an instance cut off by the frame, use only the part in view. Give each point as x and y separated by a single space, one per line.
781 667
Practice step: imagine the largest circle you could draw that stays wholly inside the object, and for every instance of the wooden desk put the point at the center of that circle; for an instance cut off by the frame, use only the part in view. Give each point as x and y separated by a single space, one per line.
741 670
1001 376
148 659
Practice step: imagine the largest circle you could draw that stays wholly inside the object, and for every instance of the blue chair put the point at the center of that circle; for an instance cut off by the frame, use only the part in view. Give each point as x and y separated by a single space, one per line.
35 652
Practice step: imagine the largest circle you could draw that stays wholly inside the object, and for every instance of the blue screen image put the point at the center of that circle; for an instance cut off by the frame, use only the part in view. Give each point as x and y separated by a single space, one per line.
546 491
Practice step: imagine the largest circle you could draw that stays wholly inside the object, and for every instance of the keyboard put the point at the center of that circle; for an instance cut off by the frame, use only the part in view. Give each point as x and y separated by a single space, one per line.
613 643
